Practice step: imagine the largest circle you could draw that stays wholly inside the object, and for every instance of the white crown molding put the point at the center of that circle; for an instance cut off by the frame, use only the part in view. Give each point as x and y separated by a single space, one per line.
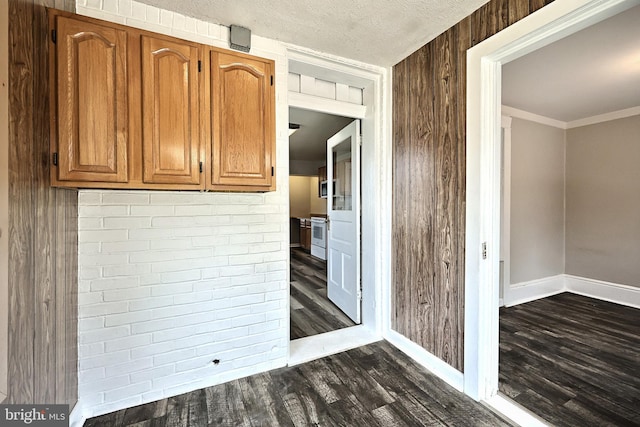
601 118
607 117
525 115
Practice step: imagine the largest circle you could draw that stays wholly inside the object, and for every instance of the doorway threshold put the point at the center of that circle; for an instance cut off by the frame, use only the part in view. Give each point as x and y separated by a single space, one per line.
515 412
315 347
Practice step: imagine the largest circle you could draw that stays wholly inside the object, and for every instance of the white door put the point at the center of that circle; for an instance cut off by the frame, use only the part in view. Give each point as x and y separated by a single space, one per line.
343 226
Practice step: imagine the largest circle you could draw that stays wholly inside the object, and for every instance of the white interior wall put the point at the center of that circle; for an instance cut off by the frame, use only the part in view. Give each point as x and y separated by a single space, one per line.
537 201
599 232
603 201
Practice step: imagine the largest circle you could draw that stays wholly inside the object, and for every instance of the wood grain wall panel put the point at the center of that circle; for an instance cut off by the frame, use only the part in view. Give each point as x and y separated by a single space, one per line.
537 4
463 43
42 229
44 226
21 209
518 9
429 193
422 169
400 197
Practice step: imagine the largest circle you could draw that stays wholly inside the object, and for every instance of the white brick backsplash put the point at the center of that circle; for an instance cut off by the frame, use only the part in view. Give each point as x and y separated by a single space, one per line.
131 390
103 335
180 276
93 310
90 236
169 280
113 283
123 198
127 223
92 323
89 248
99 211
89 197
126 343
138 11
88 350
149 303
129 318
126 270
126 294
174 356
171 289
152 210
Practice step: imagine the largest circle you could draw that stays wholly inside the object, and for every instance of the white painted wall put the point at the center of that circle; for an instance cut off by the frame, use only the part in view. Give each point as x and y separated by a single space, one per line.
603 201
170 281
537 201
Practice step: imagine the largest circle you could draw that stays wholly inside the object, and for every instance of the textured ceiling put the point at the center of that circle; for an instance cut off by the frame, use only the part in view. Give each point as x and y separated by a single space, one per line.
380 32
592 72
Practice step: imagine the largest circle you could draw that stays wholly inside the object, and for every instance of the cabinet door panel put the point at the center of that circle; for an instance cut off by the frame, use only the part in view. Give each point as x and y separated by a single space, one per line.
243 123
92 102
170 112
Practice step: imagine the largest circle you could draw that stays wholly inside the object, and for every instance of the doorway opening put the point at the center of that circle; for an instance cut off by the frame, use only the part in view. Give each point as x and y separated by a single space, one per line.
368 86
313 310
482 270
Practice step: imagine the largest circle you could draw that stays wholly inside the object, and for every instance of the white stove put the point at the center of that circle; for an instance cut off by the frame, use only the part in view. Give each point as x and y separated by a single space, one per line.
319 237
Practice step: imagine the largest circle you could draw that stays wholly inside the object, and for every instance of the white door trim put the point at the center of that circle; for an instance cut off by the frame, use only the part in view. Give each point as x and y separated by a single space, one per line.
484 63
505 224
375 187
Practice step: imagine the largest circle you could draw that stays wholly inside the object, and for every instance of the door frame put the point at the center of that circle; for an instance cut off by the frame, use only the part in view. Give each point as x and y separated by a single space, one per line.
375 192
484 64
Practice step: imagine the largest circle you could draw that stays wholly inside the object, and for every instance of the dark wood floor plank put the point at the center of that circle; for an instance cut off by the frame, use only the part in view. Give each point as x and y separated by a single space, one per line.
312 312
572 360
225 405
145 412
262 401
177 411
360 387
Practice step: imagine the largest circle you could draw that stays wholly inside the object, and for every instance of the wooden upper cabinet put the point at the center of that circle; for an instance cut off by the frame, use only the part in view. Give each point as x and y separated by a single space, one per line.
243 123
137 110
90 132
171 136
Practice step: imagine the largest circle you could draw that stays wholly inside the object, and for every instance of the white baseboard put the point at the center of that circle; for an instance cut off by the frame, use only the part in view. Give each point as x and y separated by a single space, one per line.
77 417
520 293
515 412
437 366
599 289
606 291
306 349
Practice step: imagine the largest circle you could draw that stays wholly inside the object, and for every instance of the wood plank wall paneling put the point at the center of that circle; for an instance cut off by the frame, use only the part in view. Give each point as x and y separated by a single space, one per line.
429 194
42 226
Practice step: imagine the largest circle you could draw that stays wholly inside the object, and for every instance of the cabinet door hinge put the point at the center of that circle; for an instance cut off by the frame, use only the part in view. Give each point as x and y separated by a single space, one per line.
200 167
271 80
199 66
53 36
55 159
271 170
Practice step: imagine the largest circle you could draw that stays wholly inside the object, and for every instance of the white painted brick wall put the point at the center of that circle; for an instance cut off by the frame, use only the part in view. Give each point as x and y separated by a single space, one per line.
169 281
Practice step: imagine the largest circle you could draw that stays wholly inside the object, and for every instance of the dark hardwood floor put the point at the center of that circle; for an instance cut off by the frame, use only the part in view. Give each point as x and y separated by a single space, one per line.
374 385
572 360
311 311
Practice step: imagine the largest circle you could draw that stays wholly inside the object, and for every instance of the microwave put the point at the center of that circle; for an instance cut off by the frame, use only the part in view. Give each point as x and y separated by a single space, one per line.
322 189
